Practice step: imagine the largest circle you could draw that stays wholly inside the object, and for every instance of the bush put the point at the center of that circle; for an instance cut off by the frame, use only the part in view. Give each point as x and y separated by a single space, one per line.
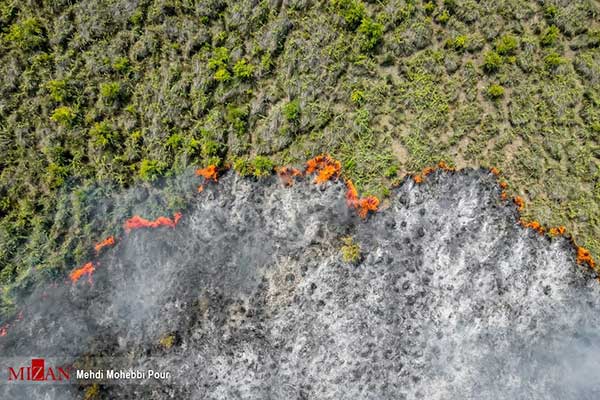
350 251
495 91
371 34
291 111
353 11
27 34
64 116
262 166
491 61
102 134
357 96
553 60
443 17
222 75
220 58
150 170
58 90
459 43
121 64
550 36
110 91
242 166
243 70
507 44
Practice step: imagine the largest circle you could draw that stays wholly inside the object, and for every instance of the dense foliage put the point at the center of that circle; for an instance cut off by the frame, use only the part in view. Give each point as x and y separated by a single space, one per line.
121 92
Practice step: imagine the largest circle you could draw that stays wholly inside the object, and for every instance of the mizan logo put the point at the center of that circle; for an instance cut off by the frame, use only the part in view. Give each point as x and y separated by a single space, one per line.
37 371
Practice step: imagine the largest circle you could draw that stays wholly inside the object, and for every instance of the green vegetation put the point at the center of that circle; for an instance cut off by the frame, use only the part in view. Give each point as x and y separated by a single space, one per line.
350 251
116 94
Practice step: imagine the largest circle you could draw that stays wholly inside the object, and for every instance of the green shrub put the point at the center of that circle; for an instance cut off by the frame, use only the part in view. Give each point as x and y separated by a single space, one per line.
236 117
266 62
262 166
222 75
291 111
27 34
242 166
459 43
350 251
242 69
56 175
58 89
150 170
357 96
353 11
110 91
102 134
443 17
491 61
495 91
553 60
550 36
64 116
220 58
121 64
506 44
371 33
429 8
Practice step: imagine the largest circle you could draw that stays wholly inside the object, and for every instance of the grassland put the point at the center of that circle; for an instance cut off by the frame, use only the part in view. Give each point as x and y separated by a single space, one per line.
116 94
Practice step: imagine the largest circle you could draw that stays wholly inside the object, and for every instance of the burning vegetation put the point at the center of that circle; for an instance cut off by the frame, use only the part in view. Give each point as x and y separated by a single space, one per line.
108 242
585 257
87 269
137 222
209 173
362 205
287 175
325 167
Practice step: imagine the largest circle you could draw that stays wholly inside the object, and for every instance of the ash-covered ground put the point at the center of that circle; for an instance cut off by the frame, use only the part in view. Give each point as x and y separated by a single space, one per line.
451 300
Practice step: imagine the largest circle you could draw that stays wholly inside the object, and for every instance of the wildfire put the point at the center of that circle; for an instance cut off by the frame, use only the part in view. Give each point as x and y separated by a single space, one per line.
418 179
536 226
584 257
287 175
3 331
109 241
362 205
518 200
557 231
325 166
503 196
495 171
137 222
200 188
87 269
503 185
209 173
444 167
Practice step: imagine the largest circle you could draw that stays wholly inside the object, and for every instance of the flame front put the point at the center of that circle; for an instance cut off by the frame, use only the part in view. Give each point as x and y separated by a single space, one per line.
87 269
362 205
325 166
109 241
137 222
209 173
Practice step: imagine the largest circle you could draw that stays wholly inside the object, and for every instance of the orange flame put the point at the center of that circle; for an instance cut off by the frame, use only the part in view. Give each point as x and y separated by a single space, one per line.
584 256
557 231
503 196
325 166
536 226
209 173
87 269
200 188
109 241
503 185
427 171
443 166
363 205
418 179
518 200
3 331
287 175
137 222
495 171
